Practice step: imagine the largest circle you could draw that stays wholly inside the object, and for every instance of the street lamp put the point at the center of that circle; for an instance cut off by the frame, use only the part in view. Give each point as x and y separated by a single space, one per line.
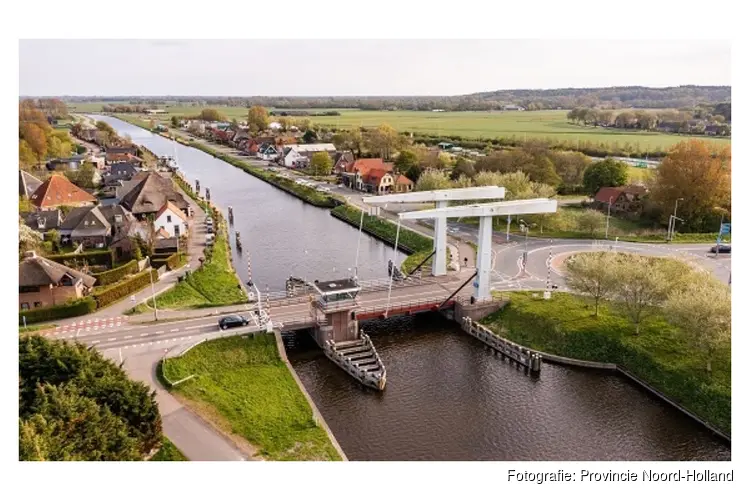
673 220
153 294
609 208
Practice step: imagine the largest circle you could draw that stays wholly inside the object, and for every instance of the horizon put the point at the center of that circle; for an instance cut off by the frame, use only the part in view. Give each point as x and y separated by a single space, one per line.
365 68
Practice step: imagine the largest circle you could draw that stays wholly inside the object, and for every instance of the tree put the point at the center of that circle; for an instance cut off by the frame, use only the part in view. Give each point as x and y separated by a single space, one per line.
175 121
383 140
257 119
626 119
56 148
26 156
591 220
321 163
351 140
570 167
76 129
592 274
406 160
310 136
699 176
643 286
431 180
463 167
28 239
36 138
84 177
605 173
704 312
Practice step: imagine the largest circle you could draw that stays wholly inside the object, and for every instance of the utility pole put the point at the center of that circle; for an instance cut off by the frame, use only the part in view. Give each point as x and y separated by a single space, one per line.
674 218
609 208
153 293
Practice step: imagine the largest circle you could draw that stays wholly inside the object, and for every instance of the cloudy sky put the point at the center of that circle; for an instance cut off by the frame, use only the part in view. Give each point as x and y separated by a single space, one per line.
360 67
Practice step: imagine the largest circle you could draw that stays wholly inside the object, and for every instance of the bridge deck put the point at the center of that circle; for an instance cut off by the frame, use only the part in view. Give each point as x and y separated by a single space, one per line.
296 313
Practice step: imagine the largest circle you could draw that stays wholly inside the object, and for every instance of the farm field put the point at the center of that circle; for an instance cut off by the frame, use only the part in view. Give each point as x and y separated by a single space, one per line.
467 124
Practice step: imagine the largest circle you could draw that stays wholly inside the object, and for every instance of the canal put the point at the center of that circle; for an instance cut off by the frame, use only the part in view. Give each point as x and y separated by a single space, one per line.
448 397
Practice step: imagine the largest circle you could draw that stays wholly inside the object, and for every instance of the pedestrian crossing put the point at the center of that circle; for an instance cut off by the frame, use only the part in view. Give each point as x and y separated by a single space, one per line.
90 325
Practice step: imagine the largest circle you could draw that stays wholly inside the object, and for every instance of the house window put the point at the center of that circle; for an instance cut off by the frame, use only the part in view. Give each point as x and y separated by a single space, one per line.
37 304
169 218
24 306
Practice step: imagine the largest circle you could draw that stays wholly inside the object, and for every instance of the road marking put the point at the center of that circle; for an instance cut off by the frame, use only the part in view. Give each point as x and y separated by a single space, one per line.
175 330
160 331
144 334
197 326
94 341
128 337
110 340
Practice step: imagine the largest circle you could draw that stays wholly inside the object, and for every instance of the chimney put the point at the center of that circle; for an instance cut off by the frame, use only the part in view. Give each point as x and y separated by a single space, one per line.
31 254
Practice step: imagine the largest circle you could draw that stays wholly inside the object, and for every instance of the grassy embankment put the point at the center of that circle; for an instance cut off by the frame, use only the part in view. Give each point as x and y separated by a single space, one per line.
243 386
660 355
213 284
549 124
417 246
168 453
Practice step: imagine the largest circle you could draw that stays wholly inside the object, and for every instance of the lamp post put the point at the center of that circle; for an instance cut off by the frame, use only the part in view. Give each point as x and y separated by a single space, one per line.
609 208
153 294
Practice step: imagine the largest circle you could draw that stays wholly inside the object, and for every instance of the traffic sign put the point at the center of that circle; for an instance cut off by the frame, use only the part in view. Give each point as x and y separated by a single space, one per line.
726 228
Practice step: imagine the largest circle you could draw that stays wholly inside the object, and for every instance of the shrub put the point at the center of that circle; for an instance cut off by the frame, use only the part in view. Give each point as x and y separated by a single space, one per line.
116 274
68 310
111 294
93 258
175 260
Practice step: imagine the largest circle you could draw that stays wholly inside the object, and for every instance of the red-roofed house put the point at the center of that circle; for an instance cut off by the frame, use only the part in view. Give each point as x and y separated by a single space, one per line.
369 174
172 220
624 199
402 184
57 191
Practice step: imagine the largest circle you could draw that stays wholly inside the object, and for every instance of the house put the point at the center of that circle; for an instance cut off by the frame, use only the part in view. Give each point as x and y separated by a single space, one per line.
295 153
88 134
378 181
357 174
268 152
72 163
171 221
45 283
444 146
147 193
341 160
124 170
129 149
402 184
623 199
57 191
43 220
94 227
125 238
513 107
27 184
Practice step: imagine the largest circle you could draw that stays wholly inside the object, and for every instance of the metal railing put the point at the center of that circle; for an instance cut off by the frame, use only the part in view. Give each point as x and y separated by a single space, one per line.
400 305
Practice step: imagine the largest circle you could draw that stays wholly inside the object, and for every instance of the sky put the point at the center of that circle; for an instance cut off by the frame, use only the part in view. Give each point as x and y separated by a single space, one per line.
360 67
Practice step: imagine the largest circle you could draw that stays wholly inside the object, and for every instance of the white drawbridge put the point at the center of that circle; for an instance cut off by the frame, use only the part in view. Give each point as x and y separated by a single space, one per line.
440 198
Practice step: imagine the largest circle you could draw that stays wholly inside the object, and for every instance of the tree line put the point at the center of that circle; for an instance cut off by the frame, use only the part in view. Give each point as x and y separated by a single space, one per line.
76 405
698 121
531 99
37 139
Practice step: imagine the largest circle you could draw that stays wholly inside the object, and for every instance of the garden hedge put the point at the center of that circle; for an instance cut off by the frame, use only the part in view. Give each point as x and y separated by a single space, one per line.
111 294
93 258
68 310
116 274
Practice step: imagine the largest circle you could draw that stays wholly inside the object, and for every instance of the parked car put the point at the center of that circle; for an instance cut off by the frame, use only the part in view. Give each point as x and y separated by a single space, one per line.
721 249
233 321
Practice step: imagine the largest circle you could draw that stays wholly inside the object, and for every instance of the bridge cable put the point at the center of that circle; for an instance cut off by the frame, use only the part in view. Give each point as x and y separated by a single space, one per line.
359 239
393 268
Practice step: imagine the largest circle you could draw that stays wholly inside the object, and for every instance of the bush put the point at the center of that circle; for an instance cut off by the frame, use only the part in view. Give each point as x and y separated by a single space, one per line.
69 310
93 258
175 260
116 274
111 294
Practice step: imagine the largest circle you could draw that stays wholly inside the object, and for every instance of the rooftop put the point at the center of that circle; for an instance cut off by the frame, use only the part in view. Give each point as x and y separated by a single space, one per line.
336 286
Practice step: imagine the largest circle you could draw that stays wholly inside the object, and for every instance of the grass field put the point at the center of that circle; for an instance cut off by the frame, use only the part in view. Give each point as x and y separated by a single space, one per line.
244 382
661 355
168 453
551 124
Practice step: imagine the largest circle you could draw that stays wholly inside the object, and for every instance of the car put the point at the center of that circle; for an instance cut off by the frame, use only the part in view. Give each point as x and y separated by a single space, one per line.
721 249
233 321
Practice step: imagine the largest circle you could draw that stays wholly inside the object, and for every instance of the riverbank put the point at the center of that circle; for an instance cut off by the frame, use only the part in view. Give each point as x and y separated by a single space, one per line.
304 193
659 355
245 388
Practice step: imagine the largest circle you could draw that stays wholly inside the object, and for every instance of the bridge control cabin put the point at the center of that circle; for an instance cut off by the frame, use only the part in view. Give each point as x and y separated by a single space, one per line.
337 300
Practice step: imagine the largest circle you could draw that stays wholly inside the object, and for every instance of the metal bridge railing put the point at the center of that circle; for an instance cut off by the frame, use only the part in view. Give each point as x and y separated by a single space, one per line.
400 305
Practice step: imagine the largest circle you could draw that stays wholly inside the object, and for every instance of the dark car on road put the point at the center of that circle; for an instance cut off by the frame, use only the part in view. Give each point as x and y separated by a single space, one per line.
721 249
233 321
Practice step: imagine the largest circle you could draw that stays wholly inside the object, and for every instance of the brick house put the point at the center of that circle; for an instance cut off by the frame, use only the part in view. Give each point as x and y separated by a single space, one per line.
624 199
45 283
402 184
57 191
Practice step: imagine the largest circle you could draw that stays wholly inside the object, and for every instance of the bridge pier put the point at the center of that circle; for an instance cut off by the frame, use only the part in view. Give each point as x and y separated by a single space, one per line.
484 259
439 261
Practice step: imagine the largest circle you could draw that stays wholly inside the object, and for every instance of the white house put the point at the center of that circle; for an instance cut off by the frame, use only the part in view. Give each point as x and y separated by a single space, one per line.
294 153
172 220
274 126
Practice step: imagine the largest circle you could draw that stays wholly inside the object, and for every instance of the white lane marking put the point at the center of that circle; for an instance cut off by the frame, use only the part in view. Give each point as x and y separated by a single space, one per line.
197 326
144 334
160 331
128 337
94 341
110 340
175 330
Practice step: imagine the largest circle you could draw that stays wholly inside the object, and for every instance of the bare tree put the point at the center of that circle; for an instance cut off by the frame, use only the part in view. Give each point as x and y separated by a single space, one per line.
592 274
643 285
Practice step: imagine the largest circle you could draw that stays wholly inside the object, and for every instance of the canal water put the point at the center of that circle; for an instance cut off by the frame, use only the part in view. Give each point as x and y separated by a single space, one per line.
448 397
